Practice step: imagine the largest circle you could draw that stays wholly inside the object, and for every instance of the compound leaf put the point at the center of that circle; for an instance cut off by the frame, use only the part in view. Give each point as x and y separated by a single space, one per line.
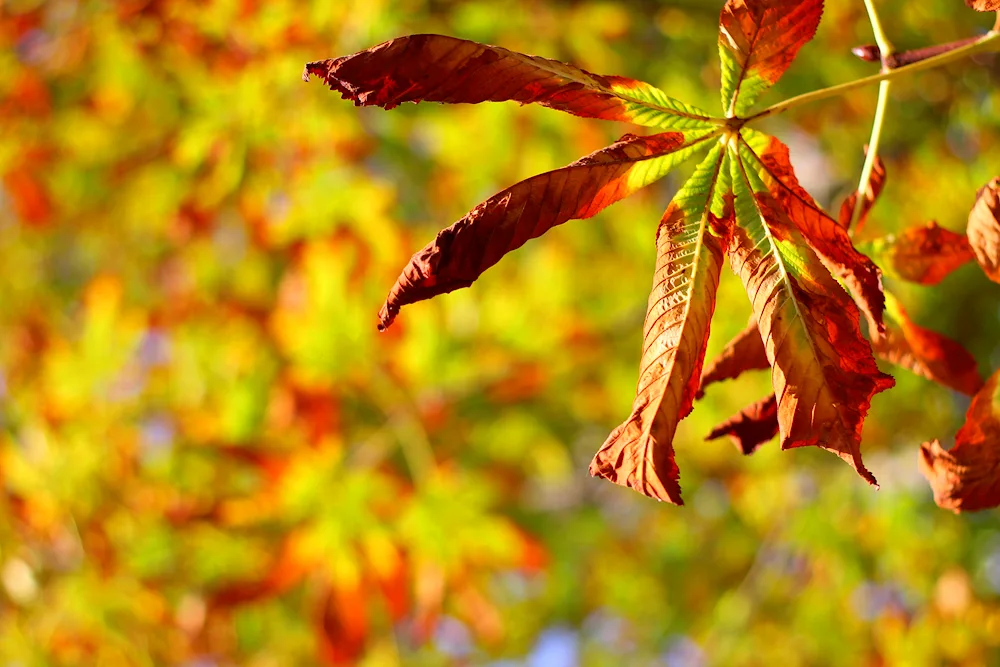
967 477
639 453
460 253
758 40
436 68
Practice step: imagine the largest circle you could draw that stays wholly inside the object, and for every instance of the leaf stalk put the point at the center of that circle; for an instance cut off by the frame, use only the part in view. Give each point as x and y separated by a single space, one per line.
886 51
872 155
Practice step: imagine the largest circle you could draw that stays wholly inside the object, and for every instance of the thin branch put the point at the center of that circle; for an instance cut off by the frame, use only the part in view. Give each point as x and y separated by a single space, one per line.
988 42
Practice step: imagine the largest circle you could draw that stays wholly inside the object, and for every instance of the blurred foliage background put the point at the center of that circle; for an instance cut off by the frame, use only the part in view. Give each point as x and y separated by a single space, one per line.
209 457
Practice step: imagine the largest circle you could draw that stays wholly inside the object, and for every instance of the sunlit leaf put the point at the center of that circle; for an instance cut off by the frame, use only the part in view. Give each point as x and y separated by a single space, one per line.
925 255
925 352
967 476
823 371
508 219
822 232
639 453
758 40
436 68
984 229
755 425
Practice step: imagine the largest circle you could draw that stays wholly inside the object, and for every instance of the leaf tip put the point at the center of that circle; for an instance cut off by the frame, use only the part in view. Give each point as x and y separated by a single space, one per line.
318 68
386 316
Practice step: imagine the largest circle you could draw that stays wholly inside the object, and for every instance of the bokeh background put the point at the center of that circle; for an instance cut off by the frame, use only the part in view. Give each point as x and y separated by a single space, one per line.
209 457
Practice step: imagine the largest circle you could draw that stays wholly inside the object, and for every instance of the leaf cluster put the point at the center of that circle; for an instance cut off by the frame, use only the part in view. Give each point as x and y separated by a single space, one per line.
808 284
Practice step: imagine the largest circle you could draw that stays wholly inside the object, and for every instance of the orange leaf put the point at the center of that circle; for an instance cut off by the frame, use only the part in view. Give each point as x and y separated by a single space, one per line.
639 453
287 569
927 353
745 352
758 40
984 5
342 624
984 229
872 190
967 477
30 198
924 255
436 68
823 371
822 232
505 221
755 425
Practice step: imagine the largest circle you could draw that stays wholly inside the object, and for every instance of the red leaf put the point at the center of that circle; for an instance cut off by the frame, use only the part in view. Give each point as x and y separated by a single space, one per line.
505 221
872 191
640 453
926 353
745 352
436 68
29 196
924 255
755 425
822 232
984 229
287 569
342 624
758 40
966 478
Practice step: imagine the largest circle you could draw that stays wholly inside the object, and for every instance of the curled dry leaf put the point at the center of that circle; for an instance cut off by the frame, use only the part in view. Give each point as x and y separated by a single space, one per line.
924 255
436 68
876 182
984 229
758 40
755 425
745 352
925 352
822 232
505 221
823 371
984 5
967 477
639 453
